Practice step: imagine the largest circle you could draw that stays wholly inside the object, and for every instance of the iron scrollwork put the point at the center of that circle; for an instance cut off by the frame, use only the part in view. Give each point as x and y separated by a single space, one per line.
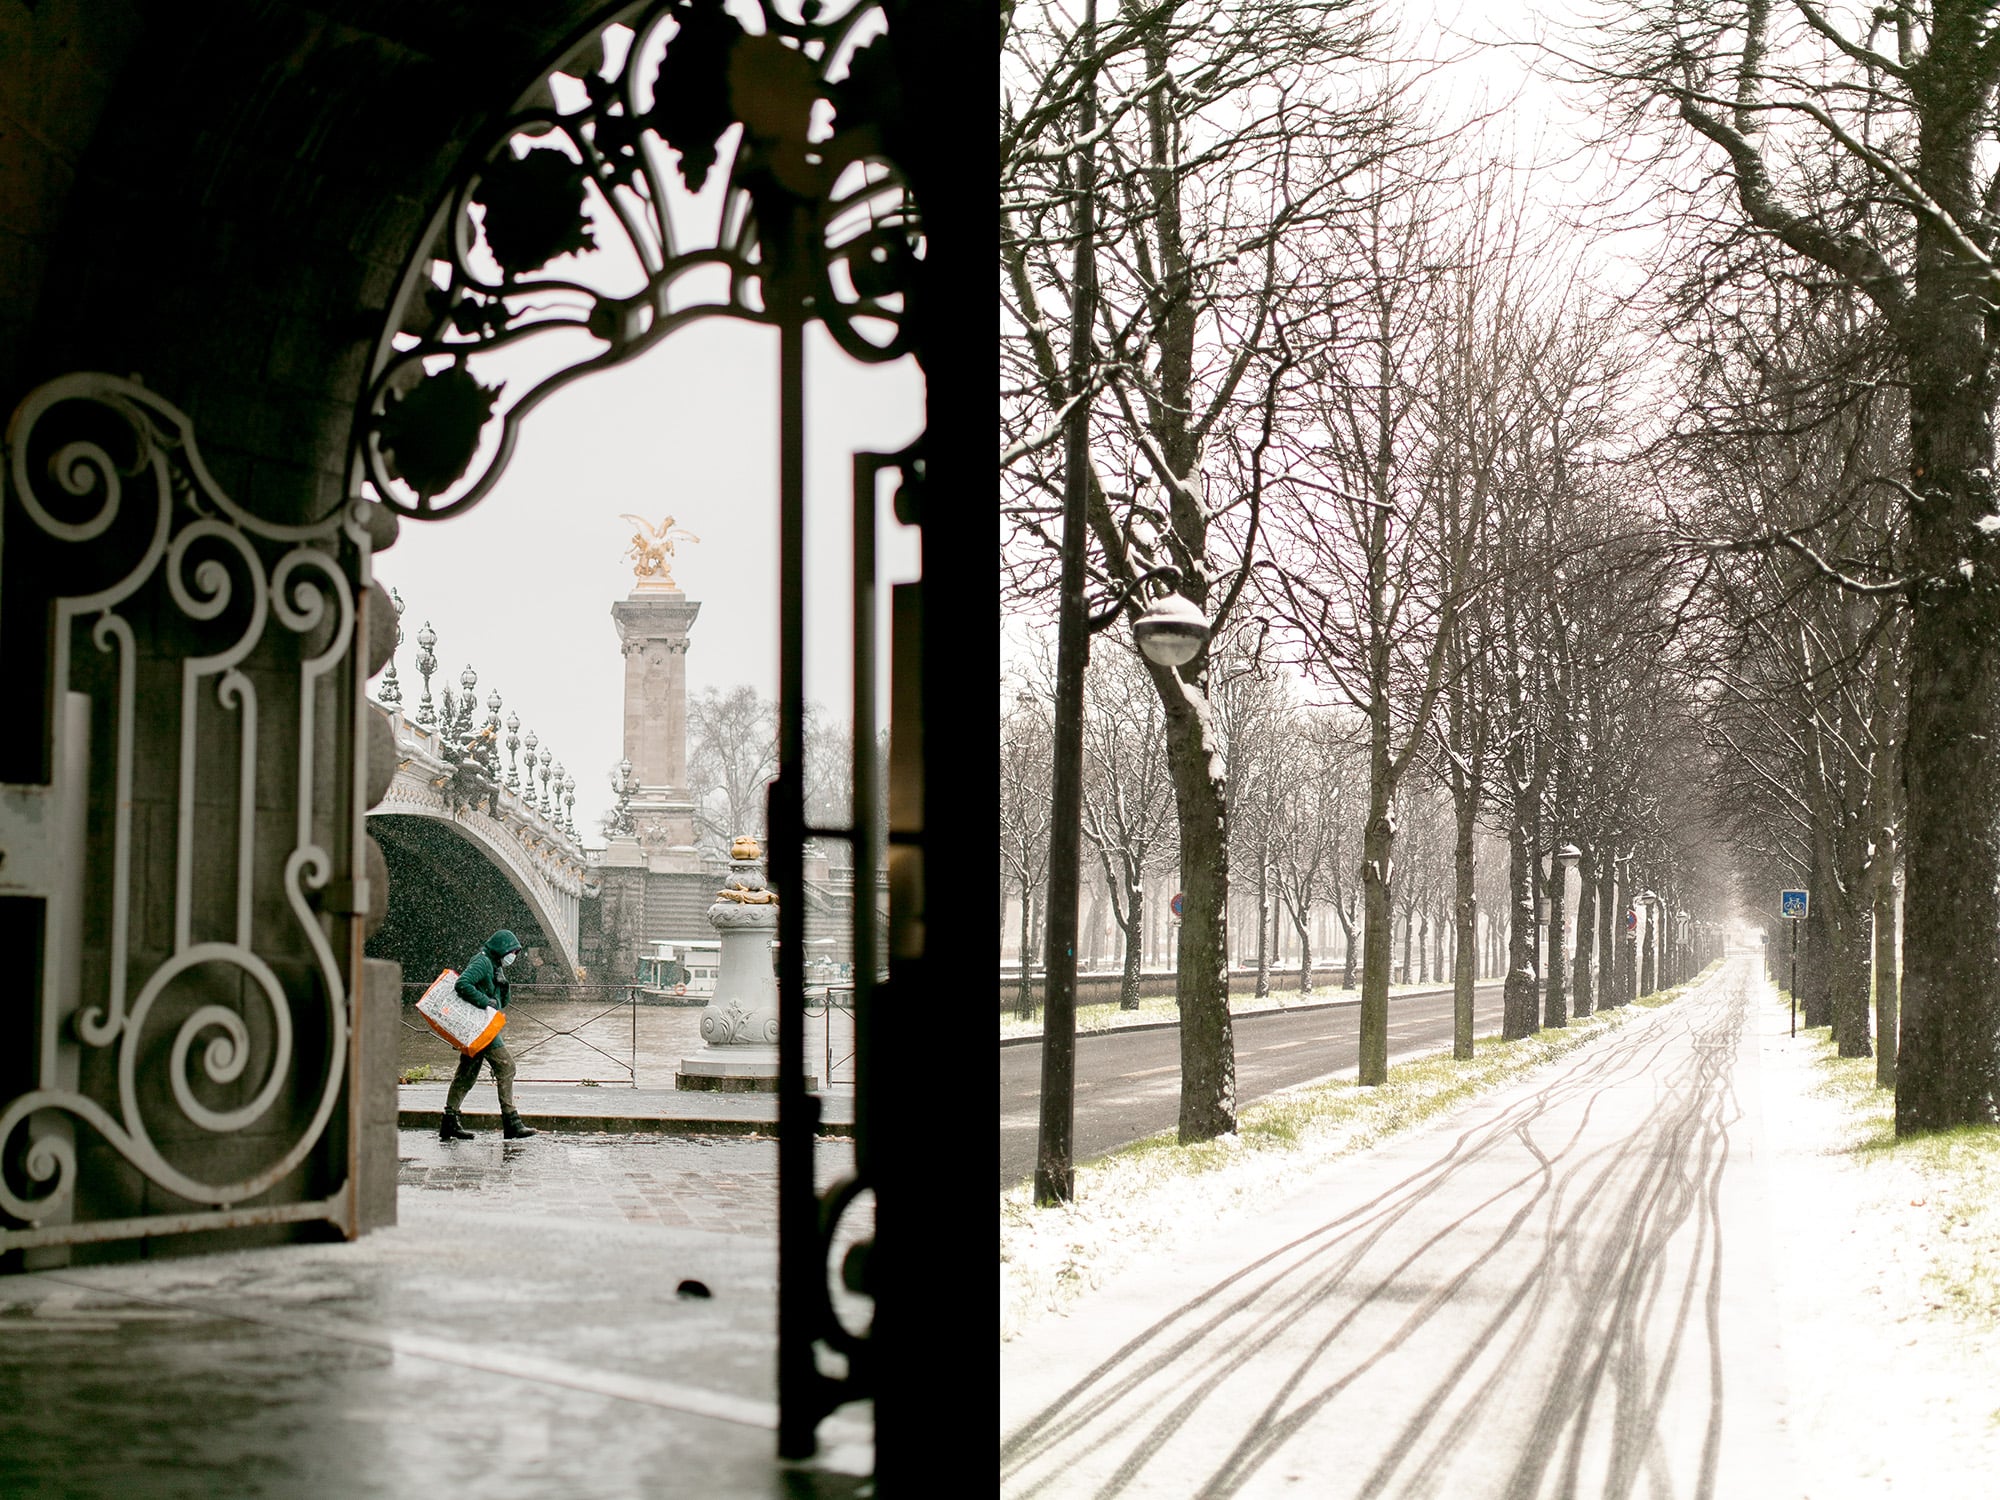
703 160
130 490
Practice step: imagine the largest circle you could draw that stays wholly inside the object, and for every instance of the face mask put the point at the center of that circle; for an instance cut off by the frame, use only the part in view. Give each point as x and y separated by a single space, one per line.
508 961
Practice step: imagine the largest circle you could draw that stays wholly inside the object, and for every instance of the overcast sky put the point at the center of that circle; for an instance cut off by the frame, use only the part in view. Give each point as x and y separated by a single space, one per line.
520 587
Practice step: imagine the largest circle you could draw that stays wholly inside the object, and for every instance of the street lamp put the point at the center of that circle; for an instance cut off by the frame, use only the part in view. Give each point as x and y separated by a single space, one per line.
1171 630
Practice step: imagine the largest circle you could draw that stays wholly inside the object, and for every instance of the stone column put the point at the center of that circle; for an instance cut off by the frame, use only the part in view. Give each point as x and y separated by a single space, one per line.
653 624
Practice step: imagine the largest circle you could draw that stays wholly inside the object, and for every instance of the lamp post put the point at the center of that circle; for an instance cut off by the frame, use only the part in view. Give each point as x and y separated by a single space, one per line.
513 752
427 663
1555 1010
392 690
1170 632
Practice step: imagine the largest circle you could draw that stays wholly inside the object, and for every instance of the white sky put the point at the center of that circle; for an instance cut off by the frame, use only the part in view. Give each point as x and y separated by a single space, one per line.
521 586
1482 65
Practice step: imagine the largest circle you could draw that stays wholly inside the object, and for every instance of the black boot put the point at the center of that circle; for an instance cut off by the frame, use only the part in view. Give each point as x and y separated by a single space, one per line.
515 1128
450 1130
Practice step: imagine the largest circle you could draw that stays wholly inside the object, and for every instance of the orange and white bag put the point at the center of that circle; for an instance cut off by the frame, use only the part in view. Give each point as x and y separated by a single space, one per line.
466 1026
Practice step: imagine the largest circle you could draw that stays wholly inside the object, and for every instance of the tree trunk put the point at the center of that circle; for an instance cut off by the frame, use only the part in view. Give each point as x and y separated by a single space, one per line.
1378 844
1518 1006
1649 977
1883 887
1300 922
1816 951
1465 942
1851 962
1583 973
1128 983
1024 994
1208 1047
1628 947
1555 1004
1409 935
1264 919
1347 942
1948 1063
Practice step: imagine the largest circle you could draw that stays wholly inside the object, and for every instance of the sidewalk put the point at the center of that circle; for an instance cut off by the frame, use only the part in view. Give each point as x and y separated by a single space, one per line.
525 1332
574 1107
1566 1288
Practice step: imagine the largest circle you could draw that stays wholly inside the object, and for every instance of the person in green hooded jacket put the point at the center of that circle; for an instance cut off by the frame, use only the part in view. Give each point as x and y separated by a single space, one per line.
484 983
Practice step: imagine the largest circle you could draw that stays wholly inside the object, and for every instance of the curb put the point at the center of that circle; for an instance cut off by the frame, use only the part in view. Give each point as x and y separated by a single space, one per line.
428 1119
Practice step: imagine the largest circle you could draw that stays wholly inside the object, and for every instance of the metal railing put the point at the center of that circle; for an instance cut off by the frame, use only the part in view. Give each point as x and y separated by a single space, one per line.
553 1025
835 997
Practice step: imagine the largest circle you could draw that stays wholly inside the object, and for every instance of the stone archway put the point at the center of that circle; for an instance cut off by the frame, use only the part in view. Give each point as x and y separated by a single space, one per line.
221 198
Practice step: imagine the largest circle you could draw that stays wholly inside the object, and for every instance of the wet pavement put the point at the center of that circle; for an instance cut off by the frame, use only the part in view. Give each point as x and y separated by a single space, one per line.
522 1333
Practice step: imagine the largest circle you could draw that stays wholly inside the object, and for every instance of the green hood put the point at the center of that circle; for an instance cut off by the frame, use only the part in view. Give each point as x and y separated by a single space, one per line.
502 943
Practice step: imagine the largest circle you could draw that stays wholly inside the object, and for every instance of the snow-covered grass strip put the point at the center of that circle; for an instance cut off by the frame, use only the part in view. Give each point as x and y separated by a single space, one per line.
1960 1169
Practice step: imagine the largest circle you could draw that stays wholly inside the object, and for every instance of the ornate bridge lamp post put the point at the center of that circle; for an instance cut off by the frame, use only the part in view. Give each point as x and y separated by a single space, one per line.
622 787
392 690
514 753
427 663
569 805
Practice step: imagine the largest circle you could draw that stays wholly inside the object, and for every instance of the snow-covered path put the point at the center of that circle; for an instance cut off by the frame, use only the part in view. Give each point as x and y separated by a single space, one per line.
1566 1289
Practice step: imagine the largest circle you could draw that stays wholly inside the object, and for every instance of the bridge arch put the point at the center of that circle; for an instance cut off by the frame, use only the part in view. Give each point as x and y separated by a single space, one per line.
420 830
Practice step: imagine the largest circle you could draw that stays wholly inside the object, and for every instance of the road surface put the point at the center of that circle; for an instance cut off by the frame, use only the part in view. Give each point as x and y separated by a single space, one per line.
1565 1289
1128 1083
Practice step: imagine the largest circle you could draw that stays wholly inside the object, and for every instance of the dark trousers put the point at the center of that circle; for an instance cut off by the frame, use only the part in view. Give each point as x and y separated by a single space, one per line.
497 1057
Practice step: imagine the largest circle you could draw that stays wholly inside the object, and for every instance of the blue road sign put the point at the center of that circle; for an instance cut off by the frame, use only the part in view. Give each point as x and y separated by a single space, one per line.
1792 903
1175 904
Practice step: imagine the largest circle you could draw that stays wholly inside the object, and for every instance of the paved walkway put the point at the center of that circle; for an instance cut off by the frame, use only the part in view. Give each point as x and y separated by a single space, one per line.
522 1334
1565 1290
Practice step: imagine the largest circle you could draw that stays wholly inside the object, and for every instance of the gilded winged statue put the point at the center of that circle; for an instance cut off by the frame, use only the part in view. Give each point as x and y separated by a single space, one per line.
652 546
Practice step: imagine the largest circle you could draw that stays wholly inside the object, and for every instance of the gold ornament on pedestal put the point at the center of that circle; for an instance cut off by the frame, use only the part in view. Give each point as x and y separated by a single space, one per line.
650 548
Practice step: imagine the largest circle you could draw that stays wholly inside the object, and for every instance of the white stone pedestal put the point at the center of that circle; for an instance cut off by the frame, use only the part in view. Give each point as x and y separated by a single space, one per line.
739 1025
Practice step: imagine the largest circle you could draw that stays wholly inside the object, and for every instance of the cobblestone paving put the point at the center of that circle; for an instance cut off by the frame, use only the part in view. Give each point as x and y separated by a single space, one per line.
726 1184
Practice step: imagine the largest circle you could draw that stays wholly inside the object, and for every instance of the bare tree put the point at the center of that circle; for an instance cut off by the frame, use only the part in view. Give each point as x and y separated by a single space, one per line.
1221 135
1371 570
1866 148
732 756
1128 799
1024 823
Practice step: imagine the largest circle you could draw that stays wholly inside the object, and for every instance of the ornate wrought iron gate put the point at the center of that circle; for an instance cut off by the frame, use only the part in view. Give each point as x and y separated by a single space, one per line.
188 859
